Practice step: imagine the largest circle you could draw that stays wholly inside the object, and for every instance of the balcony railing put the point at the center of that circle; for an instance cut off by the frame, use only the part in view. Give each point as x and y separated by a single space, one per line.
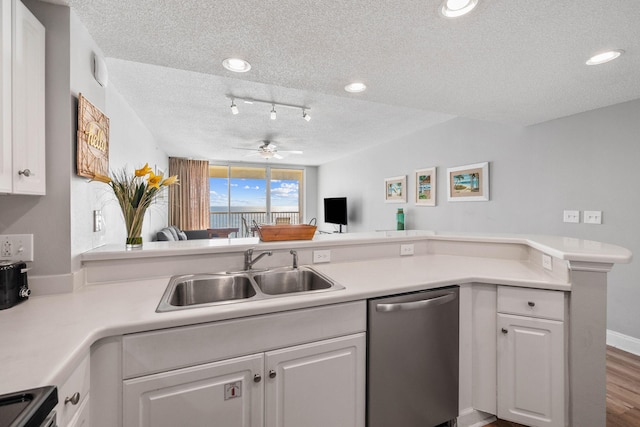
234 219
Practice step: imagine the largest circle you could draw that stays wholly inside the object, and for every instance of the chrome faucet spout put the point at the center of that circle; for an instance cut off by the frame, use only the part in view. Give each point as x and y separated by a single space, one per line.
248 261
295 258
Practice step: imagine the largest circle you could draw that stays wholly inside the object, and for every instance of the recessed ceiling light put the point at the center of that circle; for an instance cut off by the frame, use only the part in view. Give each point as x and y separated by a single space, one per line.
603 57
236 65
456 8
355 87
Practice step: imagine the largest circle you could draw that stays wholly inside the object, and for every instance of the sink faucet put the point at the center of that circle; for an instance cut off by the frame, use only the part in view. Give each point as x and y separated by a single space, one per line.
248 261
295 258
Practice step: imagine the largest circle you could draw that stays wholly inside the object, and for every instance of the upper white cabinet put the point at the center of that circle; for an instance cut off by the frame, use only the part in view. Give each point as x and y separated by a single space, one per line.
22 109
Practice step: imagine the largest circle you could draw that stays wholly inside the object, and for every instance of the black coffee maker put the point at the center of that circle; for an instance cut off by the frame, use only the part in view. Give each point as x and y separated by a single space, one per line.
13 284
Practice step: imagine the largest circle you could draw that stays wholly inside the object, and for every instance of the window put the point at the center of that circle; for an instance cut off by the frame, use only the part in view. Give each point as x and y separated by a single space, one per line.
241 195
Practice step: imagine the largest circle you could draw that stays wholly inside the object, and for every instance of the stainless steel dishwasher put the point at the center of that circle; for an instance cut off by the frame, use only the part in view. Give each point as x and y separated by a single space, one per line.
412 359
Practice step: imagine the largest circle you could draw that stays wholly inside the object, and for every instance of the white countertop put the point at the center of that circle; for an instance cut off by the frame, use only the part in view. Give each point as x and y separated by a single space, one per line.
45 337
565 248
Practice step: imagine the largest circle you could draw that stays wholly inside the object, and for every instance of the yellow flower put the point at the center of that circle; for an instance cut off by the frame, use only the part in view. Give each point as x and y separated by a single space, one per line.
170 181
144 171
154 180
101 178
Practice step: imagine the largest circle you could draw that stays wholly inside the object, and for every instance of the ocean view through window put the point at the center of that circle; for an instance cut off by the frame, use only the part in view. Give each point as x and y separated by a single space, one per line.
241 195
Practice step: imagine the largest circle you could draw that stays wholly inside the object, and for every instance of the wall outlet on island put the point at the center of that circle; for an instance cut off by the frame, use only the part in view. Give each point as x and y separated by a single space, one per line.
406 249
547 262
321 256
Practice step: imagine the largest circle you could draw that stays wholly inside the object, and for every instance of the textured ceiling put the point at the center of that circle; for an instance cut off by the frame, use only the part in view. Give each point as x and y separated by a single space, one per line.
511 61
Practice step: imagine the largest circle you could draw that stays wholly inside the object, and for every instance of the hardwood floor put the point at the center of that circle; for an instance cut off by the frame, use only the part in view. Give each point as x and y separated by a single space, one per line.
623 391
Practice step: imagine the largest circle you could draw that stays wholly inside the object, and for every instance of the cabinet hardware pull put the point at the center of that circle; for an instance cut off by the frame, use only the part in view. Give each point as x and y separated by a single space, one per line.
272 374
25 172
74 399
257 378
504 331
531 304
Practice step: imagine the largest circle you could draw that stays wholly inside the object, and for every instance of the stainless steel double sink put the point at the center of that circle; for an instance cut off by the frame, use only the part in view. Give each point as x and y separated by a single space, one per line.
197 290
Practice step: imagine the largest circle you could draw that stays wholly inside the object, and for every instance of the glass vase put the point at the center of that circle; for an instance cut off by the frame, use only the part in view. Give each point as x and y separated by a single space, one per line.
134 243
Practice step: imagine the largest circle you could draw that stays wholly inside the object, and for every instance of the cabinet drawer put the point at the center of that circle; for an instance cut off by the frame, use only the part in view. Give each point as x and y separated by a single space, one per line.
531 302
78 382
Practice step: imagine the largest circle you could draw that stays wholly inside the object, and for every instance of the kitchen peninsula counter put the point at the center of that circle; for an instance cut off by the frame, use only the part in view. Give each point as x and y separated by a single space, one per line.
46 336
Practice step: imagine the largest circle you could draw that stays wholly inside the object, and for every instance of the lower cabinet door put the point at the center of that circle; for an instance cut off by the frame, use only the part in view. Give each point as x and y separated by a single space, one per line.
531 371
317 385
221 394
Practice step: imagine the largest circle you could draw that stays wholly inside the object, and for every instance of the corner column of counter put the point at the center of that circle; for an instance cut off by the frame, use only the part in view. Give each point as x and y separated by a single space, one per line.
587 343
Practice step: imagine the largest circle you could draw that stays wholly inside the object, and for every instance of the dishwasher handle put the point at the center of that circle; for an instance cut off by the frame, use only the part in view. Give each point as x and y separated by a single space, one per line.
416 305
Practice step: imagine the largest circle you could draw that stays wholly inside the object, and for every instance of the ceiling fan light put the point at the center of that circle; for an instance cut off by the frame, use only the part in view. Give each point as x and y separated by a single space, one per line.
457 8
355 87
236 65
604 57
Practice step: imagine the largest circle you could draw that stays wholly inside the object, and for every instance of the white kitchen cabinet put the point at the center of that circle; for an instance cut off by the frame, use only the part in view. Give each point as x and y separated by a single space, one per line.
73 396
306 375
317 385
22 109
531 357
225 394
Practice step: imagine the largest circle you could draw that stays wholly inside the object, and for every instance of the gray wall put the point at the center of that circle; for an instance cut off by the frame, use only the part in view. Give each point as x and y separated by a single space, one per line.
583 162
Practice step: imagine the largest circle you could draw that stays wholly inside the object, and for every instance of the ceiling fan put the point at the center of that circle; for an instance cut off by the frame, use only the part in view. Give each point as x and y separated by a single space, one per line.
269 150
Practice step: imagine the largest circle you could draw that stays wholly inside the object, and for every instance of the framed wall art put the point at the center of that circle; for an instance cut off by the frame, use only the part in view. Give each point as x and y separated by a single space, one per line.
93 140
468 183
395 189
426 187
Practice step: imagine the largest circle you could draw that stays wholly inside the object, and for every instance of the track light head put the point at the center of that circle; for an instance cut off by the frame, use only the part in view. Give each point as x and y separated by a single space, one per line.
273 112
305 115
234 108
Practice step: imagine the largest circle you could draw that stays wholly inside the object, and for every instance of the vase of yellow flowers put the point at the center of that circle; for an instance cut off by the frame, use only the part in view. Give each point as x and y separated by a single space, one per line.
135 193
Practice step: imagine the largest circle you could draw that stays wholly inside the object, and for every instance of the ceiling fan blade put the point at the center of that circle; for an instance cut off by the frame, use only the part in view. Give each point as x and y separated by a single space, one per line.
242 148
291 151
277 156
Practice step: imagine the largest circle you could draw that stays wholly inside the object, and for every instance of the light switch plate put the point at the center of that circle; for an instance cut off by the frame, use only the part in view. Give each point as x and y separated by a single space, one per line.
571 216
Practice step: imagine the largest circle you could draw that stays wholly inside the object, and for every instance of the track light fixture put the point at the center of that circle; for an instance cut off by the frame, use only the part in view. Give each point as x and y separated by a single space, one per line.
273 114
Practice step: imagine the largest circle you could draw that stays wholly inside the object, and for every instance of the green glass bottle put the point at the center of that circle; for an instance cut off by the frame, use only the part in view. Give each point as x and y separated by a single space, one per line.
400 219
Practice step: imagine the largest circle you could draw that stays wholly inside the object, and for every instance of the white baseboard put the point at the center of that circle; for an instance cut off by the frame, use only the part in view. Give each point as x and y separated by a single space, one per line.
472 418
623 342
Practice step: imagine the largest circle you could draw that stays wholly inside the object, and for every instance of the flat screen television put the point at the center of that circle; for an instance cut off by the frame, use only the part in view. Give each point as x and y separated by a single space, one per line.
335 211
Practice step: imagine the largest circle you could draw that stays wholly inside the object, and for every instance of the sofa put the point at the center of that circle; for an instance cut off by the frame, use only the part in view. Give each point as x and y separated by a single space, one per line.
173 233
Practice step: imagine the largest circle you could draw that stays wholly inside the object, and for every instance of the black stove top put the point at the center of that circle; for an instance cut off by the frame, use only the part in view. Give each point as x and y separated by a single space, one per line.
27 408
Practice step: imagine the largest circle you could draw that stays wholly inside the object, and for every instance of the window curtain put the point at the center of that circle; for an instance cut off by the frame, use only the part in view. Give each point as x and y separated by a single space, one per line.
189 201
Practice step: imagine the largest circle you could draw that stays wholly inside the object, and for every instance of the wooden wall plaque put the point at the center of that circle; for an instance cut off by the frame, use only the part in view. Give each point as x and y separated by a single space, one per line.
93 140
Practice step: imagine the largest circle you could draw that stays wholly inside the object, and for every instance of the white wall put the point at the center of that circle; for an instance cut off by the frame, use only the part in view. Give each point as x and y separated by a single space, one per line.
62 221
583 162
131 145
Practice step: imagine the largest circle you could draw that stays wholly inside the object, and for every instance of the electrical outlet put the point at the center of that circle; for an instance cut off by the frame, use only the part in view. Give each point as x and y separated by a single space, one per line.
406 249
16 247
547 262
593 217
571 216
321 256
